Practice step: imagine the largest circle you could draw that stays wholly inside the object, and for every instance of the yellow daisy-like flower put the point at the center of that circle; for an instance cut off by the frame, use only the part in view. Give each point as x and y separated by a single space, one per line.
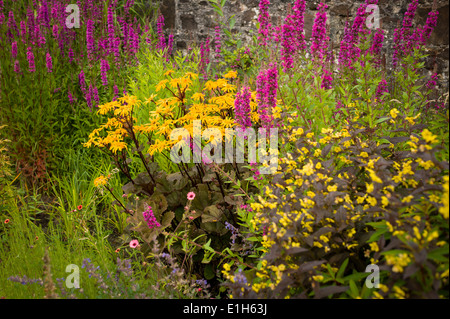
117 146
198 96
429 137
394 113
100 181
168 72
230 75
161 85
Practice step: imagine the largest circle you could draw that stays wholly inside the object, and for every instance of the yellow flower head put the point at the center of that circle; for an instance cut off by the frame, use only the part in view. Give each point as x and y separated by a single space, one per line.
394 113
429 137
100 181
230 75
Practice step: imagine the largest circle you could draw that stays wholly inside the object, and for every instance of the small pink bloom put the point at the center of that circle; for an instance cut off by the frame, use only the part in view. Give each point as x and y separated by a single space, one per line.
190 195
134 243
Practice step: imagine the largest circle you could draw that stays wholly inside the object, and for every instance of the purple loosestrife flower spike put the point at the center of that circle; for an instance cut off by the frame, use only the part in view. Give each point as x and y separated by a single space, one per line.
90 38
95 94
82 81
431 84
288 42
16 66
104 68
326 80
204 57
14 49
30 21
30 58
318 36
217 42
265 27
44 15
381 89
150 218
110 27
377 44
272 81
261 95
88 96
242 108
12 24
49 63
169 47
266 94
55 31
160 31
299 23
71 100
23 31
71 55
402 37
429 27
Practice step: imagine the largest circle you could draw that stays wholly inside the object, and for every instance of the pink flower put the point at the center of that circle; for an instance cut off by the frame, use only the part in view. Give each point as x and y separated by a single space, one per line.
190 195
134 243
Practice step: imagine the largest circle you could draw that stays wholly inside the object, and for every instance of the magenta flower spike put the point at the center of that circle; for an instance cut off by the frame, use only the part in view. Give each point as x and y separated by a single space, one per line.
16 66
104 68
242 108
90 38
71 100
82 81
23 31
326 80
217 43
49 63
266 94
14 49
169 47
429 27
110 27
150 218
299 24
319 36
288 42
381 89
30 58
160 31
265 27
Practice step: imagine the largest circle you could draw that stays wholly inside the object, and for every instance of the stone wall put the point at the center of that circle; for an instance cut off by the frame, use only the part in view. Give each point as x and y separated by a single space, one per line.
193 20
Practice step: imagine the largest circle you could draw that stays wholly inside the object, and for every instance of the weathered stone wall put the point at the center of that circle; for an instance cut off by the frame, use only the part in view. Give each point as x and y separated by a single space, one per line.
193 20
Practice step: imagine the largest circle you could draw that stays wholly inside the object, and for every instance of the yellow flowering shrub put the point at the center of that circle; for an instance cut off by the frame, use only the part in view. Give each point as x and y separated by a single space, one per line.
334 208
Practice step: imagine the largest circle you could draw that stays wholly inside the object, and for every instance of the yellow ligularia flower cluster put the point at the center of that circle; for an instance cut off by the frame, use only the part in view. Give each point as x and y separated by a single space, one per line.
213 105
122 116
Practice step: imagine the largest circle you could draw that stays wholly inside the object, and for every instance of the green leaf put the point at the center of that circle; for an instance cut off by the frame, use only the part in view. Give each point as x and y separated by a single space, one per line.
354 289
438 254
376 235
342 269
209 272
383 119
